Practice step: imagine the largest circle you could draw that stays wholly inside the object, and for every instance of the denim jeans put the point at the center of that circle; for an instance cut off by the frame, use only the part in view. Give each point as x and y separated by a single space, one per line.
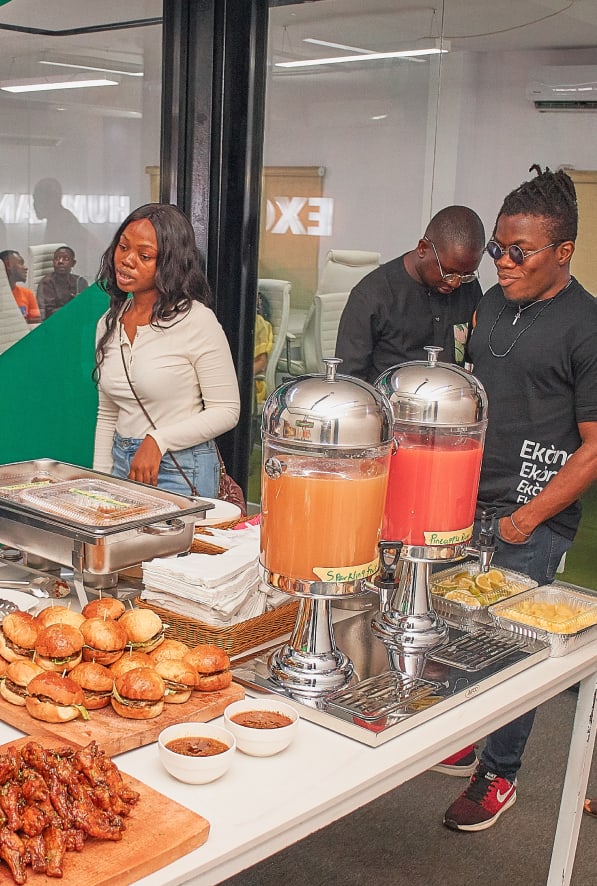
200 464
538 558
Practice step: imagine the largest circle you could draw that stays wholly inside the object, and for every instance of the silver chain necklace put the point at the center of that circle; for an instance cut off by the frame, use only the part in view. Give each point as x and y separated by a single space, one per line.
548 302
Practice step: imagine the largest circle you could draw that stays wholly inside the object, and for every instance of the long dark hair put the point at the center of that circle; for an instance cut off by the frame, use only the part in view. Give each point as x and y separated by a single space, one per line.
179 278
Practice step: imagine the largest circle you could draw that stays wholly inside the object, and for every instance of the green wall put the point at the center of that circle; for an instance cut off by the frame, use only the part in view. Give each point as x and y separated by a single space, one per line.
49 400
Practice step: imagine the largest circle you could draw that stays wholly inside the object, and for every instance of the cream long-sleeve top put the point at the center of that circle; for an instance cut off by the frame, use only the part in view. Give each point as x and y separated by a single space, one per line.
183 374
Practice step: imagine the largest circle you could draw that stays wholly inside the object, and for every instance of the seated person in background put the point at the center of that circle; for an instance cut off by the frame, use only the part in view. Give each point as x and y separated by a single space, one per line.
264 342
61 286
425 297
16 271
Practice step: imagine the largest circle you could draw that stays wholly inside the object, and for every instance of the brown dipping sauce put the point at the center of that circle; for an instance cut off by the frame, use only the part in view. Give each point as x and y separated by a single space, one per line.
197 746
261 719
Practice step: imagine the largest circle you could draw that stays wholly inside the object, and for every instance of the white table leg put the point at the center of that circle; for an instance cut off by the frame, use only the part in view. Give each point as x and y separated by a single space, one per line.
575 784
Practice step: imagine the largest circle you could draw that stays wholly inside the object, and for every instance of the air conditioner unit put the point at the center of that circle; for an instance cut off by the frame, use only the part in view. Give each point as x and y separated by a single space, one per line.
564 88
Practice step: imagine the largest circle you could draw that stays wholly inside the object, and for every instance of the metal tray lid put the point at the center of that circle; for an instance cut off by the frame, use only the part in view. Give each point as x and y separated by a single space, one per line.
94 502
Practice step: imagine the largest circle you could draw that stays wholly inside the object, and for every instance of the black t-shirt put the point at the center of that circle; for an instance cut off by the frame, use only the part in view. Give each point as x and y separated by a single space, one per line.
389 318
540 387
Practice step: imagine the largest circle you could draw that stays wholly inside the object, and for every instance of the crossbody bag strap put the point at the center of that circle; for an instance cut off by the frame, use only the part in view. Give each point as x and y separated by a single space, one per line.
152 423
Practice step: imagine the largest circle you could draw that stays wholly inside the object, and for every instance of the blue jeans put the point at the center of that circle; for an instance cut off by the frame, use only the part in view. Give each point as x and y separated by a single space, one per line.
200 464
538 558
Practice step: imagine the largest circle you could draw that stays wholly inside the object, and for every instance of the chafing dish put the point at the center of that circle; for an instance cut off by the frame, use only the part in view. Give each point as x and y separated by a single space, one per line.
162 525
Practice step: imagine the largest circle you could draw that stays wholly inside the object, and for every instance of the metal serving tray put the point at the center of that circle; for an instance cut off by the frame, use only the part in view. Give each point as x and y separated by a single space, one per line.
97 550
391 692
466 616
577 631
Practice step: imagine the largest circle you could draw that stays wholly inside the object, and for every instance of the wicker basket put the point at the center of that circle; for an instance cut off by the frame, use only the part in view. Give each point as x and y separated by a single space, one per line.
234 639
199 547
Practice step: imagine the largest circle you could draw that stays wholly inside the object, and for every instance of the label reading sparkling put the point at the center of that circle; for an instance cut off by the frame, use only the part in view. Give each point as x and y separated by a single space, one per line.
456 537
347 573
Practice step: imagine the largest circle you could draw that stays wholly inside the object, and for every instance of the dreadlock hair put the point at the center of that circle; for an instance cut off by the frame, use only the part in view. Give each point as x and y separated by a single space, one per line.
551 196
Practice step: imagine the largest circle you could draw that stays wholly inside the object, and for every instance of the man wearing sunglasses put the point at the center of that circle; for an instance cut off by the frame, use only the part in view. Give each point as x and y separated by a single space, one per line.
534 349
425 297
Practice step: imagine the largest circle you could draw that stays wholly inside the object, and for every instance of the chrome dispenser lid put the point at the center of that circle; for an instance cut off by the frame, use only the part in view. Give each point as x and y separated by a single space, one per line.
330 411
435 394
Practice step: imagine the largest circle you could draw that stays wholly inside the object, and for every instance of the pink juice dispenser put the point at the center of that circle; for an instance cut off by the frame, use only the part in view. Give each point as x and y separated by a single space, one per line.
440 417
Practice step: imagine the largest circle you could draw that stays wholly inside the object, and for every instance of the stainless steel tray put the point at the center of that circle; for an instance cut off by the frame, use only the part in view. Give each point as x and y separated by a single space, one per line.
470 615
390 692
577 631
95 550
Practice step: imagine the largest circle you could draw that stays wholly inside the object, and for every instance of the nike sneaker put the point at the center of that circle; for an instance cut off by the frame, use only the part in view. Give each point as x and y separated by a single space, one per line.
482 803
463 763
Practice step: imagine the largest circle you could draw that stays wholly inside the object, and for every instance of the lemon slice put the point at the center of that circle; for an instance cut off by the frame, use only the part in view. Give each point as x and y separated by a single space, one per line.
484 582
496 575
463 597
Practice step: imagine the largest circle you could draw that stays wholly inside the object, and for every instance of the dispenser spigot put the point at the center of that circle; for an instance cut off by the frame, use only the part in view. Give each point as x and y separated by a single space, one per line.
385 579
484 548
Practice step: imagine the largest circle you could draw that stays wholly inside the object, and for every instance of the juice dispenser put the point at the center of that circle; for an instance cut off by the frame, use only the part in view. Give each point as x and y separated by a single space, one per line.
326 449
439 427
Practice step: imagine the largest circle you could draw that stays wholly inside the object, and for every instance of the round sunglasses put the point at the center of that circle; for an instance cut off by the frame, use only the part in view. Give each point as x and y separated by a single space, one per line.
514 252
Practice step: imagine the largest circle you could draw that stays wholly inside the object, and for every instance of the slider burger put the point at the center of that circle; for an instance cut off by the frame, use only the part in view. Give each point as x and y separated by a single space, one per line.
59 615
55 699
105 640
18 635
179 678
59 647
144 629
139 694
96 681
18 675
104 607
170 648
211 664
129 661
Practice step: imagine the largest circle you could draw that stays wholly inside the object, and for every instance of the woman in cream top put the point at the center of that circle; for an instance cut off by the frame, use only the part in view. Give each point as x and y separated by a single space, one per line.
161 330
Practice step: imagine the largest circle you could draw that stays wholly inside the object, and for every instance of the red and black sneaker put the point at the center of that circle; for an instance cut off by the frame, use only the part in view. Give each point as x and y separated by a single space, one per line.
463 763
480 806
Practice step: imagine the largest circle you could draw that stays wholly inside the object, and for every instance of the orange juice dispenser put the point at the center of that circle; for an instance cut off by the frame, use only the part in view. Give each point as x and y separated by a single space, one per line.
326 449
440 417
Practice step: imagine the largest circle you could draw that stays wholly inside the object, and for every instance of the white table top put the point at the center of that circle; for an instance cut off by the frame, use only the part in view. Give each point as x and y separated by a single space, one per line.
264 804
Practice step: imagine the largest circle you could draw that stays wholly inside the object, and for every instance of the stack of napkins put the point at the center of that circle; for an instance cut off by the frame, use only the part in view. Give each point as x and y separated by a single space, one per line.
219 589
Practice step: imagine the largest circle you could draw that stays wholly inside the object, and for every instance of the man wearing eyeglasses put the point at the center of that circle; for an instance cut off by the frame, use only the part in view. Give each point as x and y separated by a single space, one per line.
534 349
425 297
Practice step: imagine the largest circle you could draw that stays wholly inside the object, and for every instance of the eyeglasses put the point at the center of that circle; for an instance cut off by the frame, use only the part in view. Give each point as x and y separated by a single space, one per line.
452 279
514 252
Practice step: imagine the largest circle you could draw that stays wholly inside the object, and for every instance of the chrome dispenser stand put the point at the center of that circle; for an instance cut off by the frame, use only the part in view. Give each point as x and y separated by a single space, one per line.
406 619
310 664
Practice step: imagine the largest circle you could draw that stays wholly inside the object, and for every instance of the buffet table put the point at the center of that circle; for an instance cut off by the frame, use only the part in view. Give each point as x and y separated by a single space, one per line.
326 775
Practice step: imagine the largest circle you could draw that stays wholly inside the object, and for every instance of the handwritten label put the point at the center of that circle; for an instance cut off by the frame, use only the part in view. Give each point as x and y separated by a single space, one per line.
346 573
456 537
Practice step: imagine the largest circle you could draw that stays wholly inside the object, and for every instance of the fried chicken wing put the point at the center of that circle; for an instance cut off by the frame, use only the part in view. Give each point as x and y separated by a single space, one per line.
12 850
55 841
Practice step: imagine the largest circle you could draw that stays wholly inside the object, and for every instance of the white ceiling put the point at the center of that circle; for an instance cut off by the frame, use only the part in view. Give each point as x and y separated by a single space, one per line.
377 25
475 25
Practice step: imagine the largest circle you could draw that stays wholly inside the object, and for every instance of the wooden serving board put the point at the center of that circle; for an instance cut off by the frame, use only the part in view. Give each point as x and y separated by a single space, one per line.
115 734
158 831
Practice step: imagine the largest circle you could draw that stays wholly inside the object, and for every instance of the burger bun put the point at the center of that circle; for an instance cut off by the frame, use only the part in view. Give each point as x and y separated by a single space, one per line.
19 673
59 647
54 698
144 629
104 607
105 640
139 694
96 681
179 678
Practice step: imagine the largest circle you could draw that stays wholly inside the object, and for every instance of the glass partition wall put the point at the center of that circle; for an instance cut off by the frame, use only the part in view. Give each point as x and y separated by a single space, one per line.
379 115
80 88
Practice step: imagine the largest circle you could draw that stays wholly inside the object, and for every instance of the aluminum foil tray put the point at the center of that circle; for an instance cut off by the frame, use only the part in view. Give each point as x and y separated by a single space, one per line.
476 651
377 697
93 502
560 615
501 584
